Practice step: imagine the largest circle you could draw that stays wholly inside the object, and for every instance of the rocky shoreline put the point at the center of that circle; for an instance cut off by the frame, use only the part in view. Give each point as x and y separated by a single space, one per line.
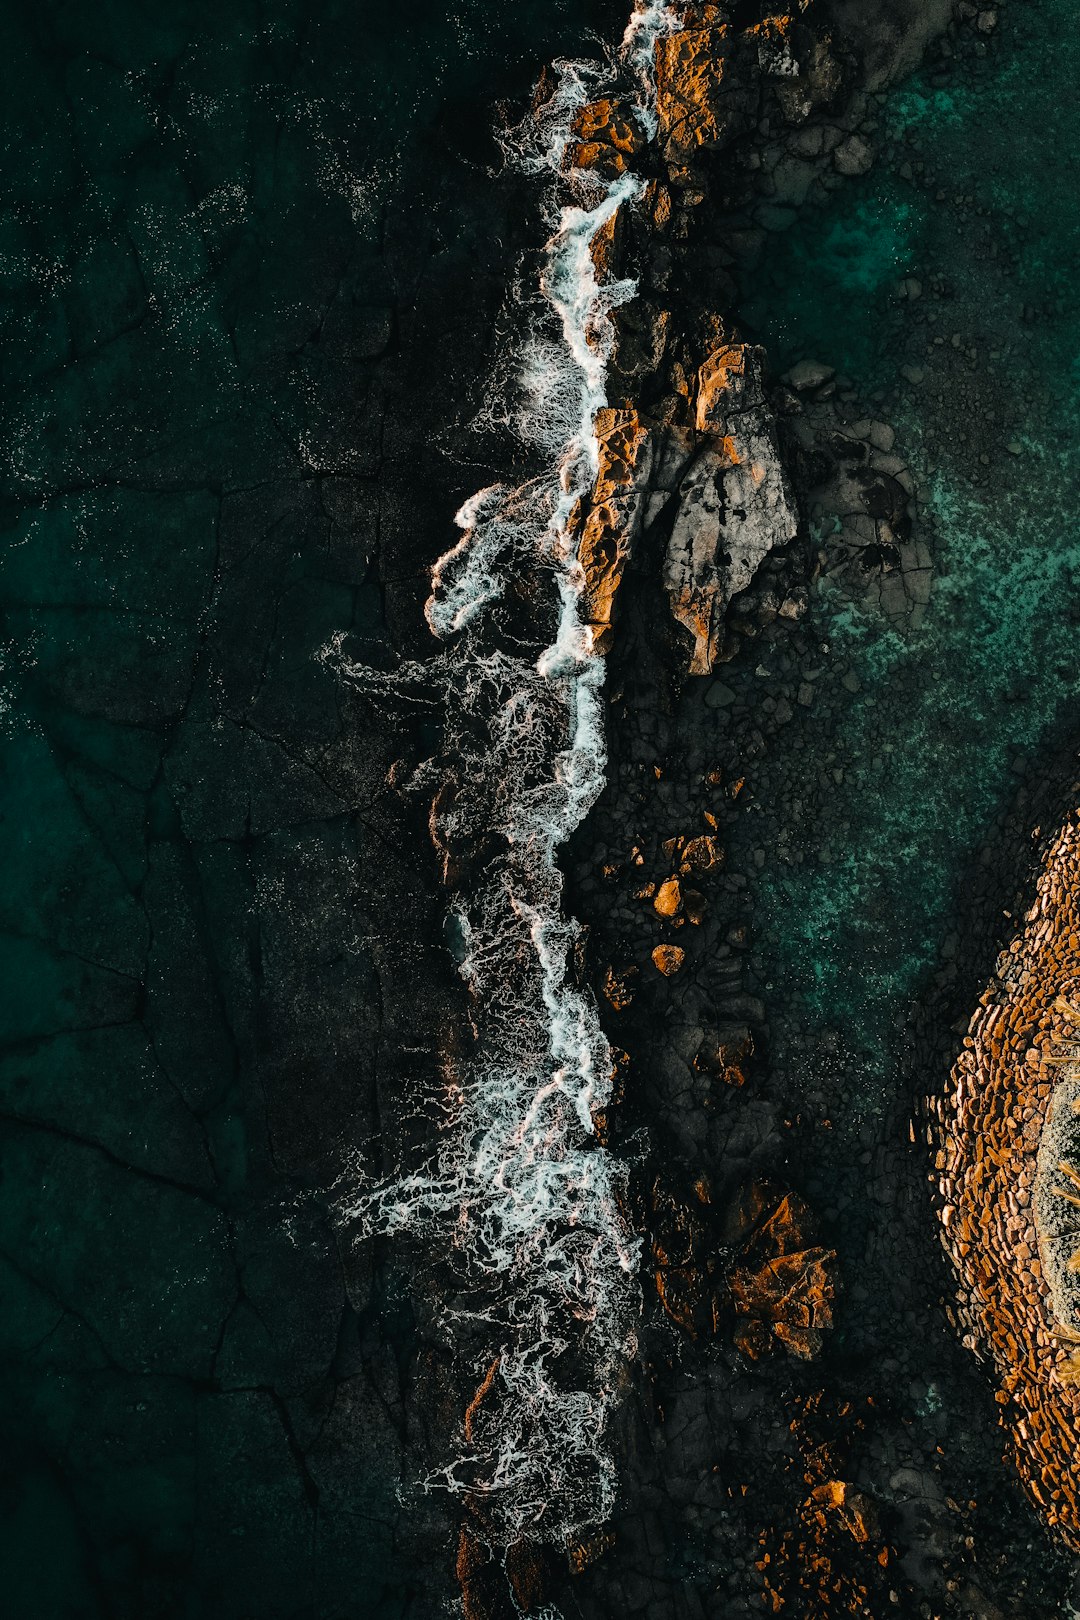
664 872
243 405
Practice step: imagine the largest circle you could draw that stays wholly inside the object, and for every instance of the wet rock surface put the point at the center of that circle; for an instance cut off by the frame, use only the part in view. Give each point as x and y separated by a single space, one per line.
1006 1182
888 1494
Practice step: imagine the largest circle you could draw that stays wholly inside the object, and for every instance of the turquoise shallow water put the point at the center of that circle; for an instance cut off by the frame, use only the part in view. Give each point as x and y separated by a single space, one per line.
946 714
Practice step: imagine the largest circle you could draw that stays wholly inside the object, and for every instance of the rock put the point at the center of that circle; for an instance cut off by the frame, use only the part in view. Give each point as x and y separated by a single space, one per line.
728 1059
808 375
692 107
719 696
1007 1180
668 959
603 136
613 516
668 901
856 1511
704 854
781 1284
853 156
734 501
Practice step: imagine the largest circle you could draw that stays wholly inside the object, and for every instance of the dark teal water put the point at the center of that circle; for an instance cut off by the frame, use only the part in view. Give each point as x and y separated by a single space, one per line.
975 197
220 220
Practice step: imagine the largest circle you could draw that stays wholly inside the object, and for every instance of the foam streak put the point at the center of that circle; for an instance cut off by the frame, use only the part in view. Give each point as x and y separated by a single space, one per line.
519 1196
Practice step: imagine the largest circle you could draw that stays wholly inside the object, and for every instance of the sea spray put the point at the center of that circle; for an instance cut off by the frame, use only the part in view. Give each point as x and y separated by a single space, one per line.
519 1199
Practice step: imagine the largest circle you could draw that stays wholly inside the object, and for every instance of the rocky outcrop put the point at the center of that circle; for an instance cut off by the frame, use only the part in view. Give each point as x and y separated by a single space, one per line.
717 493
605 135
1008 1183
782 1285
610 526
717 488
734 504
751 1269
710 78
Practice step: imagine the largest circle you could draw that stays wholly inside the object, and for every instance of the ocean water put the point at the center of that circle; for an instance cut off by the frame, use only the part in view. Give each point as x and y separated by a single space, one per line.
947 716
226 224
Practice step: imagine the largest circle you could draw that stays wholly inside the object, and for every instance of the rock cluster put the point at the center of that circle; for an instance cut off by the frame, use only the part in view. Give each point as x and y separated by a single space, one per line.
751 1267
1006 1195
860 495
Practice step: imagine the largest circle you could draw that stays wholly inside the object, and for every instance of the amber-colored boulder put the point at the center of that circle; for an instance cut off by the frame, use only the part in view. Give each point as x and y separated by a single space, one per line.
782 1283
757 1263
668 959
604 136
704 854
609 524
668 900
692 106
851 1508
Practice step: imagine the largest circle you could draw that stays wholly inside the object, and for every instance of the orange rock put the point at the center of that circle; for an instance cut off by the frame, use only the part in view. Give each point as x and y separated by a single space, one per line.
668 959
690 74
608 526
854 1509
728 380
1008 1174
603 136
669 899
703 854
780 1279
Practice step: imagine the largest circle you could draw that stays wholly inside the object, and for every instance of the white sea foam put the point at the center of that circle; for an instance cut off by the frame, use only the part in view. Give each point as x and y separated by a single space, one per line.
519 1197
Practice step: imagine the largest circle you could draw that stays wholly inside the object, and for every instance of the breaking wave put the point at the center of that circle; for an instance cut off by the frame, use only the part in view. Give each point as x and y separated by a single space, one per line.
519 1197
